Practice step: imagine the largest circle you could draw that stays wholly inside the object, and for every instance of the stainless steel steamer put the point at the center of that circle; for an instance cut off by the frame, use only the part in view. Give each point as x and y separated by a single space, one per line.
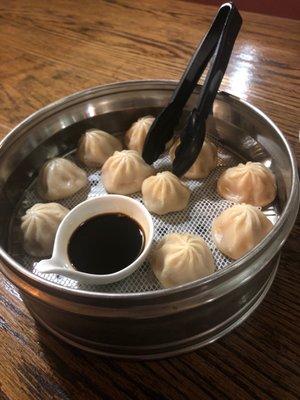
156 323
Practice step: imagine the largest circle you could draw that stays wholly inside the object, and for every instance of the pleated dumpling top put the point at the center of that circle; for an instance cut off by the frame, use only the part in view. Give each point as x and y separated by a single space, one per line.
124 172
181 258
250 183
96 146
164 193
239 229
39 226
60 178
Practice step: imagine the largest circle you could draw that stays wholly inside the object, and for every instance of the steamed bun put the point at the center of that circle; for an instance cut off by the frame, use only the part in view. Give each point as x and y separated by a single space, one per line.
96 146
239 229
205 162
60 178
39 226
164 193
124 172
250 183
181 258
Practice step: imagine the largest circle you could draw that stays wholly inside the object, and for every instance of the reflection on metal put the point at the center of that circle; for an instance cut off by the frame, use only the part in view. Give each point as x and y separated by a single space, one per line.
91 112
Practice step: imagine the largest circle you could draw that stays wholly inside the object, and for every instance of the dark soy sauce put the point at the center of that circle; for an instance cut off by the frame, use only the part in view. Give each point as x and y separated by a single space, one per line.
106 244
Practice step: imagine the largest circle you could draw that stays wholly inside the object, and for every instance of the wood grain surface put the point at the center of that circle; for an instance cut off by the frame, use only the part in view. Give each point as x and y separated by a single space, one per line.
50 49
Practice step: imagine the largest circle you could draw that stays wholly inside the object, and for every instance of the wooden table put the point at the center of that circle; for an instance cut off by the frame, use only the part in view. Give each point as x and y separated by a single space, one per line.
51 49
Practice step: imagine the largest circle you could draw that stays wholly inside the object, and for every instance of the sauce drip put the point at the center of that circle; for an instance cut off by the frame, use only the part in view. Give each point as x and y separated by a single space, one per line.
105 244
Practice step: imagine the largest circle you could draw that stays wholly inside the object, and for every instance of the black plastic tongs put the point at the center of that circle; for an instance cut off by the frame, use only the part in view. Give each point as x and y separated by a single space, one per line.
217 44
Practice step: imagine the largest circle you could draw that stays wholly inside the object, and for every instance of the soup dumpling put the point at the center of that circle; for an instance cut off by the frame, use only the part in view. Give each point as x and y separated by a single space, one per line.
180 258
60 178
136 135
96 146
239 229
250 183
205 162
124 172
39 226
164 193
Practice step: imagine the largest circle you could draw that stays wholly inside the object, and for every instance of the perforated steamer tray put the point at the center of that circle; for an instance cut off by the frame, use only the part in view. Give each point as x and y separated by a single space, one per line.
205 204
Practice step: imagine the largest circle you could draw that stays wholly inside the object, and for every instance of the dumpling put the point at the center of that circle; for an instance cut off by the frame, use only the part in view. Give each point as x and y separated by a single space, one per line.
39 226
205 162
60 178
136 134
96 146
164 193
239 229
181 258
250 183
124 172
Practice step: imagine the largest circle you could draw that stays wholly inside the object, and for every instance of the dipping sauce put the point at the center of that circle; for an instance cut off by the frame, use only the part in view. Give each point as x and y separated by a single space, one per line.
106 244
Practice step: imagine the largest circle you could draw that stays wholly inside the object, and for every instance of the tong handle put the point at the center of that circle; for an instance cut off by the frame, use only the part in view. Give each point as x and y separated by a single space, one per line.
200 59
162 129
219 40
225 43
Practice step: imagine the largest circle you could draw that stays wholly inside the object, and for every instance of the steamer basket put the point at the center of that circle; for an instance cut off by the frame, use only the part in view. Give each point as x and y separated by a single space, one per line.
136 318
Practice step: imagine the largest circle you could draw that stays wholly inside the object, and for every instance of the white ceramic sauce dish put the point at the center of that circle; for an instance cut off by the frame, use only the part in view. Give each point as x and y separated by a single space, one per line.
60 263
